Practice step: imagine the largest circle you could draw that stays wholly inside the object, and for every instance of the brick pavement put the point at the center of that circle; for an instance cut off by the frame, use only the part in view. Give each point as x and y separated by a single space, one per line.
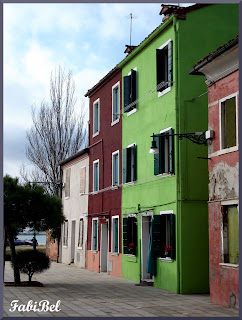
88 294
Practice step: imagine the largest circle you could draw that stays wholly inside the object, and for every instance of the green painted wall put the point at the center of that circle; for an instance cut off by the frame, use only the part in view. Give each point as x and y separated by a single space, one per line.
184 192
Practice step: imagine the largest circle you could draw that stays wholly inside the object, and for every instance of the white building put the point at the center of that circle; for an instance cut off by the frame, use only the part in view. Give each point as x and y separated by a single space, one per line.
75 171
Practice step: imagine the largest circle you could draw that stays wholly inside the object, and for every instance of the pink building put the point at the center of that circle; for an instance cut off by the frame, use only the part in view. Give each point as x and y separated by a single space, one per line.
221 69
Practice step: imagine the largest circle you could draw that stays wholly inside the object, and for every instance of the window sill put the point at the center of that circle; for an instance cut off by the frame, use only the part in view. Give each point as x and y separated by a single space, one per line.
223 151
79 248
94 251
114 187
131 183
160 94
66 198
65 247
229 265
130 255
166 259
95 192
114 253
95 134
82 193
163 175
115 122
131 112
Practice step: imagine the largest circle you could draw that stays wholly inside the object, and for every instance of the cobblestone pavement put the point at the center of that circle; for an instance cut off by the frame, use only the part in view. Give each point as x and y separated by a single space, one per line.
89 294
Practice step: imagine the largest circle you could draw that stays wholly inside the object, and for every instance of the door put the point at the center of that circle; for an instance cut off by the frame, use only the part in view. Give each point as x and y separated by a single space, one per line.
104 247
145 234
73 237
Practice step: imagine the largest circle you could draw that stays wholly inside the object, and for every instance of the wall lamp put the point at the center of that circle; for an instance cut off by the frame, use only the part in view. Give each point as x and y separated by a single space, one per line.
195 137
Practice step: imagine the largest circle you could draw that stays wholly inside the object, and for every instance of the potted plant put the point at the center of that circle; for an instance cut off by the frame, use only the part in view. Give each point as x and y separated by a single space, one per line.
167 251
131 248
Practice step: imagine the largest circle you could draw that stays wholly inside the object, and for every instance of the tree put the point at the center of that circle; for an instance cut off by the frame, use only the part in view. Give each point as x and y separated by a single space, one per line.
32 261
57 132
28 205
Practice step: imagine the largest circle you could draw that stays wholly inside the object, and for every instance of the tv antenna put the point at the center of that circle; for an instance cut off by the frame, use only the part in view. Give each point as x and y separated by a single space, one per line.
131 18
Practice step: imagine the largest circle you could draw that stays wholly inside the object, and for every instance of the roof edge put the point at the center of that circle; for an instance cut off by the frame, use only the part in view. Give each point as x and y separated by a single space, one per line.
74 156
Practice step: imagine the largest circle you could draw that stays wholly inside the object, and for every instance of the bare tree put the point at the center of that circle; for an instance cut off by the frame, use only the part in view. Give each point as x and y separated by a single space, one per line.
57 132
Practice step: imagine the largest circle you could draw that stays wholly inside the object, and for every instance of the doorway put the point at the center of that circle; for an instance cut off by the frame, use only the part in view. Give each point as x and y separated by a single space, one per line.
145 235
104 247
73 237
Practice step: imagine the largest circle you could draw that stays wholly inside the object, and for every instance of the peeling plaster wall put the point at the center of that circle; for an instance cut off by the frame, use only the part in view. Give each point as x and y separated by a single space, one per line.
223 185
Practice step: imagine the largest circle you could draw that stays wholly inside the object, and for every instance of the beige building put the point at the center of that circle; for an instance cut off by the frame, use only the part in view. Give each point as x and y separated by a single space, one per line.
75 206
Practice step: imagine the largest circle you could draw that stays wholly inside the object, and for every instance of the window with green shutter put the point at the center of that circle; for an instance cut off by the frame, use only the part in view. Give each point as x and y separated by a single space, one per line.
129 164
164 62
228 123
164 160
115 234
94 244
230 233
163 235
130 235
130 89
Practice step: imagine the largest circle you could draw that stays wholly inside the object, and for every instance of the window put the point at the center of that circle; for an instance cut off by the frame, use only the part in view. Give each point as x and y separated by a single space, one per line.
95 176
94 244
80 235
163 161
228 122
115 103
65 233
83 180
67 184
130 91
130 235
164 75
115 235
163 235
129 163
230 234
96 117
115 168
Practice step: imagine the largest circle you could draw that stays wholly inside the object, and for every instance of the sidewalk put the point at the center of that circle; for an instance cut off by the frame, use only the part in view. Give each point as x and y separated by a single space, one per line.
88 294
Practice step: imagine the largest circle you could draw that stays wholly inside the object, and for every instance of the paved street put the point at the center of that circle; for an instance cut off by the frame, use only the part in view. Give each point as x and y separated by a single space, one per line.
88 294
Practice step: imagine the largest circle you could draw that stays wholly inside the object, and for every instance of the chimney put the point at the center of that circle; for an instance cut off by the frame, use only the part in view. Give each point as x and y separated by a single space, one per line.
129 48
169 10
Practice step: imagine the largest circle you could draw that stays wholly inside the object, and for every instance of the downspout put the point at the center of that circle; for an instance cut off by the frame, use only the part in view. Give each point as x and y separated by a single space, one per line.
178 220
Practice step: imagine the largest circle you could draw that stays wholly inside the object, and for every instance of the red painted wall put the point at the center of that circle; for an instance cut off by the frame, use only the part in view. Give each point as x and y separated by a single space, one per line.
224 280
102 146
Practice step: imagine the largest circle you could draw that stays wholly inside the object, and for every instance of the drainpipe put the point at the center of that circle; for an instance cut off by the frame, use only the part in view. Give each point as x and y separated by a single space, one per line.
178 211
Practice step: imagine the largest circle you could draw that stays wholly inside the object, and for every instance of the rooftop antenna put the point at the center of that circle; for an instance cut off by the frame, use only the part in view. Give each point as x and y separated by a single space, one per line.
131 17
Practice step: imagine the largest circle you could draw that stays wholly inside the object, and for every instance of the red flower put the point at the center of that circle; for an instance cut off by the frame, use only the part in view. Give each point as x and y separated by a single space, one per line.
168 248
131 245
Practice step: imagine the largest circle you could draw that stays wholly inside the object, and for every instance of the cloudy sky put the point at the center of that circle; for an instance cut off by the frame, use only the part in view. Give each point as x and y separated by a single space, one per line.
88 39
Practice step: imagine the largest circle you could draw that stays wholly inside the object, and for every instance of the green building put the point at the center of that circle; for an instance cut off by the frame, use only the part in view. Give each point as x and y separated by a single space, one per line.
164 195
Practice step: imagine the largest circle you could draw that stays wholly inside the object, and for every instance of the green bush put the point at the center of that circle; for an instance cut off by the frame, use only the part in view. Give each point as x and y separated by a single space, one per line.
32 261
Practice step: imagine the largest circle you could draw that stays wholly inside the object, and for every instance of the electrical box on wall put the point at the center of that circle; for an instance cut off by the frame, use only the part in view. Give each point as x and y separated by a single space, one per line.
209 134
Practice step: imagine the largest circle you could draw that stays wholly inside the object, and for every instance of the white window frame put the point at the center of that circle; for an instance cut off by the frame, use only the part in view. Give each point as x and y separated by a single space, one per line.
68 169
165 174
65 233
112 236
234 148
95 133
167 259
81 222
92 242
160 94
133 181
93 180
113 154
226 203
113 88
135 109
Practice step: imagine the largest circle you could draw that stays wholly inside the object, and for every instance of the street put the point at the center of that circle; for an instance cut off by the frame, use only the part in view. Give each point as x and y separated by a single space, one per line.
83 293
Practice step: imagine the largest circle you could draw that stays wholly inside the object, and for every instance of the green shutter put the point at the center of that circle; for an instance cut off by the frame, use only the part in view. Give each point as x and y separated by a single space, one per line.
233 235
159 68
156 236
162 153
163 234
171 152
125 236
170 63
124 165
134 226
127 100
128 165
156 158
134 166
173 239
133 86
230 123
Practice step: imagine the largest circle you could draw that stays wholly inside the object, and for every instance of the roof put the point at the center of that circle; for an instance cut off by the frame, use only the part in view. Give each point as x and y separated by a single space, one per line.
74 156
169 11
211 56
111 73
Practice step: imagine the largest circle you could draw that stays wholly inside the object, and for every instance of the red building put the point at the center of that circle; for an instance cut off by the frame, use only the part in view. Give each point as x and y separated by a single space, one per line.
221 69
105 178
